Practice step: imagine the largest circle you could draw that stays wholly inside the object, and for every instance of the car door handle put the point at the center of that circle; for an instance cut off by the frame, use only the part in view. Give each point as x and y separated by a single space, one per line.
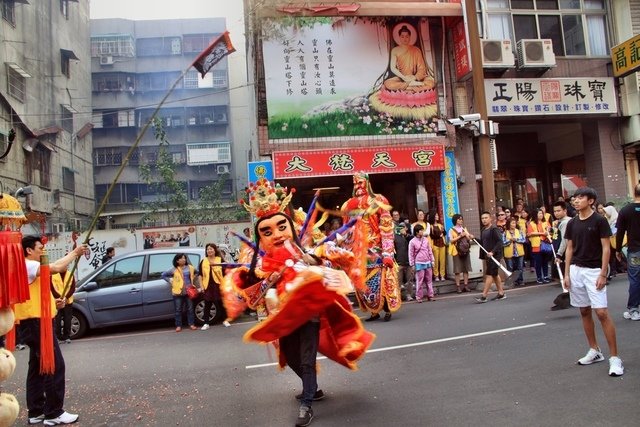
134 291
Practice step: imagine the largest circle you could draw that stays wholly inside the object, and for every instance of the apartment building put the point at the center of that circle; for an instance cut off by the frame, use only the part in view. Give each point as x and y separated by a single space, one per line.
45 112
134 65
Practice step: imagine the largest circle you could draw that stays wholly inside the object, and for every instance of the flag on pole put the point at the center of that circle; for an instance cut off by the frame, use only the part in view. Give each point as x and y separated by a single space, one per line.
218 49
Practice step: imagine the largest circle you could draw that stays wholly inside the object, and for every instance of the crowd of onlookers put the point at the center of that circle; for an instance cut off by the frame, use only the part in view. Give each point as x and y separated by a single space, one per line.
532 238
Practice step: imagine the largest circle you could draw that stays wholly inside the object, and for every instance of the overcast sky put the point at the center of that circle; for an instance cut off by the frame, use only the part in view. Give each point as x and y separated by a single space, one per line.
165 9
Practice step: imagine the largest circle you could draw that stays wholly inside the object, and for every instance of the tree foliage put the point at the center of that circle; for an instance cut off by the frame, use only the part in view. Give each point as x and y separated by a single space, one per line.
172 202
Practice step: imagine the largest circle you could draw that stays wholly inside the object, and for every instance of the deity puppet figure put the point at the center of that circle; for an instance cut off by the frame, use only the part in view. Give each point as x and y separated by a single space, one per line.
381 290
308 311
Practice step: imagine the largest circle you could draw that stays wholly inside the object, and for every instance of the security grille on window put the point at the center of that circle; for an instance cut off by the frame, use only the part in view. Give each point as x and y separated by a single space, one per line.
196 43
208 153
114 45
219 78
576 28
108 157
17 82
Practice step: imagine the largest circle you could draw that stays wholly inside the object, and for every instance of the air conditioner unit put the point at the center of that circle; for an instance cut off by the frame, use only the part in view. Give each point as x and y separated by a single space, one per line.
221 117
535 53
222 169
106 60
497 54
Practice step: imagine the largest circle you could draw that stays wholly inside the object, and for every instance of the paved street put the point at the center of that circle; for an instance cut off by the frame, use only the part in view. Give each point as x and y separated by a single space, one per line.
446 363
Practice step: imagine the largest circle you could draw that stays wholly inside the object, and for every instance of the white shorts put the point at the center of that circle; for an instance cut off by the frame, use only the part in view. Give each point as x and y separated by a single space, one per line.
583 290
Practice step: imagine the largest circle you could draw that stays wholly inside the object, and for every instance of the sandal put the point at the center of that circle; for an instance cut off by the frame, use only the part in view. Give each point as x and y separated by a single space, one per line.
459 290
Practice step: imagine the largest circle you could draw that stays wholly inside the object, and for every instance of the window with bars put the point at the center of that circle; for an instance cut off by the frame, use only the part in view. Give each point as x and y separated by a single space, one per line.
576 27
16 85
108 157
196 43
159 46
114 45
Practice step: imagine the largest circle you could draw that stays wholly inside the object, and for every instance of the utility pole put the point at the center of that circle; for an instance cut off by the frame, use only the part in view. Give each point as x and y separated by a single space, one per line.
480 107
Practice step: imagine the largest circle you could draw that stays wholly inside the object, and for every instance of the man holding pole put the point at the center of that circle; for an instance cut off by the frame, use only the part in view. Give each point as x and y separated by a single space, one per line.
491 240
45 391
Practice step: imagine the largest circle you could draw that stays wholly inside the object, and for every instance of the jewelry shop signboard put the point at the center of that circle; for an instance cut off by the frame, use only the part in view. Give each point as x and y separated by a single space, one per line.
545 97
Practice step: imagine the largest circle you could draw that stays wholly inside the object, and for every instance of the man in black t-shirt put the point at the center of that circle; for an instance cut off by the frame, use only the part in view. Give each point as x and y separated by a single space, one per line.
491 240
629 223
587 261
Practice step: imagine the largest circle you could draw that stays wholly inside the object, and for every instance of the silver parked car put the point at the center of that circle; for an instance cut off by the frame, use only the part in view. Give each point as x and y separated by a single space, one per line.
129 289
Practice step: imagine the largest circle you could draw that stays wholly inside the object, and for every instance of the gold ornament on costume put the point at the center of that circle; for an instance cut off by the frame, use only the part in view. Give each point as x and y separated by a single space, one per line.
265 199
11 215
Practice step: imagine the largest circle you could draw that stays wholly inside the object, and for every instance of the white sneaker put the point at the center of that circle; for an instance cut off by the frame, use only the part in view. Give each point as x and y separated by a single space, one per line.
64 418
36 420
593 355
635 315
615 367
226 323
627 315
205 327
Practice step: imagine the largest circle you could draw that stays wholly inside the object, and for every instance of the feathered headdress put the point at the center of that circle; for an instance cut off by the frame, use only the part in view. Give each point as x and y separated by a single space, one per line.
265 199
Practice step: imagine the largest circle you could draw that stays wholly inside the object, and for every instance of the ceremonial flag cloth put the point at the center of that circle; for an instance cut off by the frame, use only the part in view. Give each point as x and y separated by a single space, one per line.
217 50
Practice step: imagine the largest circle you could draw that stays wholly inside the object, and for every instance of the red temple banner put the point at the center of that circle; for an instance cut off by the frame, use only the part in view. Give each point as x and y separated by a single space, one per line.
346 161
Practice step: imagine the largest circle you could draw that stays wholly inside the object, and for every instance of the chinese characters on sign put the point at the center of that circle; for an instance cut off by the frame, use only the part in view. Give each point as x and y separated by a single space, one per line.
449 185
309 70
625 57
541 97
313 163
461 51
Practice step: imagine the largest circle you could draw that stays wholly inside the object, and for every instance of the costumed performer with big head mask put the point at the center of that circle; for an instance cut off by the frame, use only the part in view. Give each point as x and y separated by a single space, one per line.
308 310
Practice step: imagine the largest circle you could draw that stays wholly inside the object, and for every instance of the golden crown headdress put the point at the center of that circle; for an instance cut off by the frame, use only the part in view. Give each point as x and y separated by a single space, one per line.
264 198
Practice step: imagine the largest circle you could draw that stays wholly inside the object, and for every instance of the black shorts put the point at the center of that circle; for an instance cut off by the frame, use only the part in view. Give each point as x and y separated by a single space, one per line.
491 267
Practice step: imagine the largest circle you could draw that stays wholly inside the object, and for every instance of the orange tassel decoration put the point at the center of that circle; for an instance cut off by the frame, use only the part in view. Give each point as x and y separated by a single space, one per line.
10 338
47 359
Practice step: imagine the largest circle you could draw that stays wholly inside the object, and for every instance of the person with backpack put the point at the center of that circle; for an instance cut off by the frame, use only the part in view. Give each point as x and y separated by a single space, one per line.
459 248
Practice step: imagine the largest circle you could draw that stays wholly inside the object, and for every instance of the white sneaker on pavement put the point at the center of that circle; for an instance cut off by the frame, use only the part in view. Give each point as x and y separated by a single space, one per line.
615 367
36 420
593 355
205 327
64 418
635 315
226 323
627 314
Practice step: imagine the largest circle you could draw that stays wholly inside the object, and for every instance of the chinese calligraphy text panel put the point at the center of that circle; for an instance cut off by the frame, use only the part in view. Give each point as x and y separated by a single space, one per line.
316 163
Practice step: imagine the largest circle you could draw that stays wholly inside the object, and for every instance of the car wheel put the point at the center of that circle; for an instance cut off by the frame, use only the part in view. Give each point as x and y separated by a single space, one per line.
79 325
216 314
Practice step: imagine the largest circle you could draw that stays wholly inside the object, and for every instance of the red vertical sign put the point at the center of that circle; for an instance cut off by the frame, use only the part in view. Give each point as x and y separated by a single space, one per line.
461 51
